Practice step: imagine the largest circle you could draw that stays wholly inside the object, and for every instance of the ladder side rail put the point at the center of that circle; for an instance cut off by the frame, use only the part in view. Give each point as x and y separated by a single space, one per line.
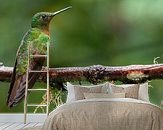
48 96
26 89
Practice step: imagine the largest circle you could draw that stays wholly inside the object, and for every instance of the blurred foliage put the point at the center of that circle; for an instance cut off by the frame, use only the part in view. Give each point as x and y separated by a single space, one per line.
56 98
107 32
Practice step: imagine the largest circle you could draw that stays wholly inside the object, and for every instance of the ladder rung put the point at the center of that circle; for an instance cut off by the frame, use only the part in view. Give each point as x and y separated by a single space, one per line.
36 105
38 71
38 55
37 89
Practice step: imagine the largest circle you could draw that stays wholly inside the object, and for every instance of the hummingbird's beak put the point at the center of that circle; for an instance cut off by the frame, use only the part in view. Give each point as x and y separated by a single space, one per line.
60 11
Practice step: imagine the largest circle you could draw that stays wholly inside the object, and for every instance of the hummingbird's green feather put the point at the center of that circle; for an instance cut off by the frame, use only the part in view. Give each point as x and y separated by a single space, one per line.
38 44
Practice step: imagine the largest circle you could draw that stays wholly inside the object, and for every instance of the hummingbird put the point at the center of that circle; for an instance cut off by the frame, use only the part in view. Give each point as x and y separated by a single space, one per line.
38 37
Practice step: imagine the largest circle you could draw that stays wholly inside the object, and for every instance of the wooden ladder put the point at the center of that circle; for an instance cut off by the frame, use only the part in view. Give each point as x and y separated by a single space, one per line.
27 83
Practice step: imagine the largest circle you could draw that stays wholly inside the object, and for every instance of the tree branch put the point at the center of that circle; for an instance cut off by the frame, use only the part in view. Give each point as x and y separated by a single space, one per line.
97 73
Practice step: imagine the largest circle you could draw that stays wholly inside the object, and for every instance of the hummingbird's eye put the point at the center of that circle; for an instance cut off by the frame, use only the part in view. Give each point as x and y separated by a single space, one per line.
44 17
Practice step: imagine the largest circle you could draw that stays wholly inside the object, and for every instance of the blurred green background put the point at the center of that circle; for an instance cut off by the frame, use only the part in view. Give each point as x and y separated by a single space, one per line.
106 32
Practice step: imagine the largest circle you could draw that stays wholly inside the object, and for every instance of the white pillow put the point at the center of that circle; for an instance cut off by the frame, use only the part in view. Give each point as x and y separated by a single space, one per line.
76 92
104 95
143 92
70 95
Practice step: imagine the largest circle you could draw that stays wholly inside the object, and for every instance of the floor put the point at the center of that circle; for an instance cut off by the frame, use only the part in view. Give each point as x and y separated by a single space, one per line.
16 121
17 126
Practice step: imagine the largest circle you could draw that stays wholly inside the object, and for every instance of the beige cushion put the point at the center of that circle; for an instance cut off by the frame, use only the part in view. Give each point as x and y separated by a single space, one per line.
76 92
142 94
79 91
103 95
131 91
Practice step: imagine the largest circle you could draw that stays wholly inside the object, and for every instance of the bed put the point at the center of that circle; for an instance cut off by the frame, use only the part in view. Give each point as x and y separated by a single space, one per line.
106 114
106 107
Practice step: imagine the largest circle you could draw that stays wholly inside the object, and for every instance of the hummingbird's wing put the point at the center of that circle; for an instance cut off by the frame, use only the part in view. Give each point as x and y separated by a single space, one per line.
18 82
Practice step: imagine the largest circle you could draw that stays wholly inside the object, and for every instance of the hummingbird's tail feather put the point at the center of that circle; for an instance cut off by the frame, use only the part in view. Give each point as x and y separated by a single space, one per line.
18 83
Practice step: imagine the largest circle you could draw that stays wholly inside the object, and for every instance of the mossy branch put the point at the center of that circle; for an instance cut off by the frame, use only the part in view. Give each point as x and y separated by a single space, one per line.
97 73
